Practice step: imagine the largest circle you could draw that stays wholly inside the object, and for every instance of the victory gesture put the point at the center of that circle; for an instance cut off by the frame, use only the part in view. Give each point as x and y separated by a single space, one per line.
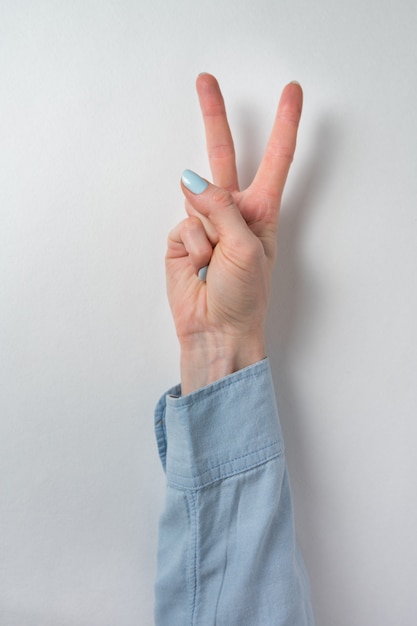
220 258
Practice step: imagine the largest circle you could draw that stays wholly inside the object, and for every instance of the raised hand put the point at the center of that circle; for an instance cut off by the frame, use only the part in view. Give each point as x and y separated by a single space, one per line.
220 321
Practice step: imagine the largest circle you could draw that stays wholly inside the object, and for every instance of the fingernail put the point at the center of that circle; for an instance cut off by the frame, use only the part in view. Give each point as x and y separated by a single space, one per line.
202 273
193 181
295 82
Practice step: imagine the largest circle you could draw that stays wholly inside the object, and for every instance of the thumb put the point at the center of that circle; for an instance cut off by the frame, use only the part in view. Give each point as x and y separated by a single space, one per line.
217 205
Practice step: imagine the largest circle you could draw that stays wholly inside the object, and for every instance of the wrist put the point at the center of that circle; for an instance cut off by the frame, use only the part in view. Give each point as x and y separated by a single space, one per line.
208 357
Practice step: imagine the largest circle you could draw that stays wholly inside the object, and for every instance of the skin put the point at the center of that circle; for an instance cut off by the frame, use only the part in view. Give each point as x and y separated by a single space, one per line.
220 323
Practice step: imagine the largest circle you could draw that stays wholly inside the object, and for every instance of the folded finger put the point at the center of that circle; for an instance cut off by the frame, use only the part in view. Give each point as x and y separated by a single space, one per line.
217 205
189 239
209 227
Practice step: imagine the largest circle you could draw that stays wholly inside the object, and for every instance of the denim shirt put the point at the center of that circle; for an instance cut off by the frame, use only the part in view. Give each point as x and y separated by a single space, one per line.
227 551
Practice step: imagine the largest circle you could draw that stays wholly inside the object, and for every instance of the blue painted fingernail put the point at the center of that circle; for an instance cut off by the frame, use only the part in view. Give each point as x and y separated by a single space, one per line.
202 273
193 181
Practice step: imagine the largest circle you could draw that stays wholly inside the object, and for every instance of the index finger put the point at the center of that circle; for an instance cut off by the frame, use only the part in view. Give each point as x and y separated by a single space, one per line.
220 147
273 170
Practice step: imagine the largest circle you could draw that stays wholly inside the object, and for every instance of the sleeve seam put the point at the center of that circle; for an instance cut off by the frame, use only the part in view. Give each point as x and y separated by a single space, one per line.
241 470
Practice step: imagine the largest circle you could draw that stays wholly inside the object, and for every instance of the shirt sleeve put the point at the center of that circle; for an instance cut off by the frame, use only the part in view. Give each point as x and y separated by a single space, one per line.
227 552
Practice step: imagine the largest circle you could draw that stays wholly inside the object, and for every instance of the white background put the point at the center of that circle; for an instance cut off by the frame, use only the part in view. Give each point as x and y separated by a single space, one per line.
98 117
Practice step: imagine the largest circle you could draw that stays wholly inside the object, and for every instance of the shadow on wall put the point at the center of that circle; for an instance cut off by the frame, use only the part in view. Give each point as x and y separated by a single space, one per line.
297 302
295 306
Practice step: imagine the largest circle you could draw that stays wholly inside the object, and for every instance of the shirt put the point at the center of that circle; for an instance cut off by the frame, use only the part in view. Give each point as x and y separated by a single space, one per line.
227 553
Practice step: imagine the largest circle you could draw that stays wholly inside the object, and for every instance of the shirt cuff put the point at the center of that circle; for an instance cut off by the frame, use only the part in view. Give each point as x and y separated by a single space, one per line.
223 429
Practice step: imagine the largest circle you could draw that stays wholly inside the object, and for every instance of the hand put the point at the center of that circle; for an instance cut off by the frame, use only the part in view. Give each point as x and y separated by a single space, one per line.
220 322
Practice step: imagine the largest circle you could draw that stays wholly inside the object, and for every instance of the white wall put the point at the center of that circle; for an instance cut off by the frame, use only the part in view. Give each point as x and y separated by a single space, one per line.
98 117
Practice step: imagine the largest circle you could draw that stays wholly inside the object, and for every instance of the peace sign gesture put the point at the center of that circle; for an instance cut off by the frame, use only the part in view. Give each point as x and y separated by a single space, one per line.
220 320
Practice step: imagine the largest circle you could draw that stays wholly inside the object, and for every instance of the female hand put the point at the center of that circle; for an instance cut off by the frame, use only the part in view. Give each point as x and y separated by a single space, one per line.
220 321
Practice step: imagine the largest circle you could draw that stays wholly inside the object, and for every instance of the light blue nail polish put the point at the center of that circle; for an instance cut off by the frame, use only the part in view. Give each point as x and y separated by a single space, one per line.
202 273
193 181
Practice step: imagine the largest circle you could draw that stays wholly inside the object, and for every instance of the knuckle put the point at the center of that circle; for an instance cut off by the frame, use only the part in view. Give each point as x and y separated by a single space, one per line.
191 224
221 151
290 116
222 198
248 250
281 150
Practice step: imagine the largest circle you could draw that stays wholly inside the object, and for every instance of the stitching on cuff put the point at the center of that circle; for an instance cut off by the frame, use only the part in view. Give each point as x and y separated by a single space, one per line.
240 470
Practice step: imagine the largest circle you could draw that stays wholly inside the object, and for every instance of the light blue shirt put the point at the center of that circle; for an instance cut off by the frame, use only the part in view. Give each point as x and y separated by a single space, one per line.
227 549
